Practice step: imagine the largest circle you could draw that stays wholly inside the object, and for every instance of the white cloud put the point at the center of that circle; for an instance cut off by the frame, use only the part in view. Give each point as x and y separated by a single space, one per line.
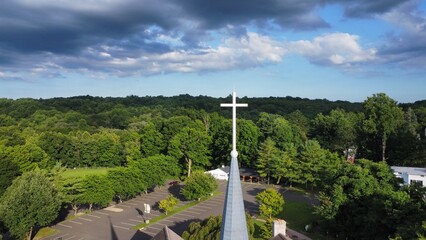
406 45
249 51
340 49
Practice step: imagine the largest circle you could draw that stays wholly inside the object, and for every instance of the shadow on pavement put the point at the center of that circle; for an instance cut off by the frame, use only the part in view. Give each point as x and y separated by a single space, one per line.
255 191
180 227
175 190
251 207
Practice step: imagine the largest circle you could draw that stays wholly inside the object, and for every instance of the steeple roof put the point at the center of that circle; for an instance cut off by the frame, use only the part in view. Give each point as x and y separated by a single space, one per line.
234 226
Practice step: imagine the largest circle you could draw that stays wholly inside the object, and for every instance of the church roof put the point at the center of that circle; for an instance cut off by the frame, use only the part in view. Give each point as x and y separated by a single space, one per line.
234 226
166 234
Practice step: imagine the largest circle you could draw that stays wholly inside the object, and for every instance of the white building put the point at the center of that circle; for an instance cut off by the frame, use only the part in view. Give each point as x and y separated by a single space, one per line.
411 175
220 173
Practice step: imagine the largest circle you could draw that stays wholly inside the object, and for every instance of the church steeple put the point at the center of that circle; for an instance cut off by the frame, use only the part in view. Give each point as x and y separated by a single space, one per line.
234 226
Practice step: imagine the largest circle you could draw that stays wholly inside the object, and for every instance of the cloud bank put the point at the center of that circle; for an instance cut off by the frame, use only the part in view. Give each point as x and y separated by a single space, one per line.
48 38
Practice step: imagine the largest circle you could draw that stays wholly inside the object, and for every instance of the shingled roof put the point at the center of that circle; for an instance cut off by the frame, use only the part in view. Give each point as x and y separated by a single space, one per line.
166 234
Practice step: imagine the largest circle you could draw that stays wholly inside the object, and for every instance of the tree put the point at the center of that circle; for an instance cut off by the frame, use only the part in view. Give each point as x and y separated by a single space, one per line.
362 201
271 202
209 228
155 170
284 133
266 229
152 142
311 157
198 185
8 172
71 191
58 146
173 125
126 182
108 149
336 131
191 145
247 142
168 204
130 141
297 118
221 132
28 157
383 117
285 166
97 190
406 145
268 156
31 200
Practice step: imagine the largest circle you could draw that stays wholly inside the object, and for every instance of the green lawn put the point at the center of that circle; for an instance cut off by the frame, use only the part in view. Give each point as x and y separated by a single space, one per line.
82 172
44 232
298 214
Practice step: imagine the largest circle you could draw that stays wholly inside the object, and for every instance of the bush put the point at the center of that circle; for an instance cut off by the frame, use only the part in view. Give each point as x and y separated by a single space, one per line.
198 185
168 204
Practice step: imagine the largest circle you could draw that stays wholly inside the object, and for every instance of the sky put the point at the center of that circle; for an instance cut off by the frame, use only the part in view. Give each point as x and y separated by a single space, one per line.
316 49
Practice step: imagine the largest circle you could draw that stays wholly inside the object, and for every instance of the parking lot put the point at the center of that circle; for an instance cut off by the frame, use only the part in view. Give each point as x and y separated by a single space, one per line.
116 222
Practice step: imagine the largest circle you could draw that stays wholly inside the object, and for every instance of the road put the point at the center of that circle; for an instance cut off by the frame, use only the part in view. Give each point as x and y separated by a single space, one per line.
116 222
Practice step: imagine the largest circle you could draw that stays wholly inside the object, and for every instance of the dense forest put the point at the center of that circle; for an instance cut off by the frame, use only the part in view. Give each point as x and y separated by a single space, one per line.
287 140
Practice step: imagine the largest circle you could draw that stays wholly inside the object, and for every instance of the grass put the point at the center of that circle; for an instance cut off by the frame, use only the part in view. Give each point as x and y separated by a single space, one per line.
44 232
82 172
174 211
298 215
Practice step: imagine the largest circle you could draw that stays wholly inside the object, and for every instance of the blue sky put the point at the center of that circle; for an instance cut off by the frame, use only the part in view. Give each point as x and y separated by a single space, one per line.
326 49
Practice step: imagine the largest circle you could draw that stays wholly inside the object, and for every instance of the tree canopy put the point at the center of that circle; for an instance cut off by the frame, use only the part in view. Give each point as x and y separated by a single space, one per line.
30 201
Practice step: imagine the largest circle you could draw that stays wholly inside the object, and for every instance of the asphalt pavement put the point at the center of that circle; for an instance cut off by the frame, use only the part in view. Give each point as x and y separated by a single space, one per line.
116 222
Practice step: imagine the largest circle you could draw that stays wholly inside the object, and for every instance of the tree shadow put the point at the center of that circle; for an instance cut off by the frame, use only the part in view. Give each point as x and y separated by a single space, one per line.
251 207
175 190
155 207
254 191
182 226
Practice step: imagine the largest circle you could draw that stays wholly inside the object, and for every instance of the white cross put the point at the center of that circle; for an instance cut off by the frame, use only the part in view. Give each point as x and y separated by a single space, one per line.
234 106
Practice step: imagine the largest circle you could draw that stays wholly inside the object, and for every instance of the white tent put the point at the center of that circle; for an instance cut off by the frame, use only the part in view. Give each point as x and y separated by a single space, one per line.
219 174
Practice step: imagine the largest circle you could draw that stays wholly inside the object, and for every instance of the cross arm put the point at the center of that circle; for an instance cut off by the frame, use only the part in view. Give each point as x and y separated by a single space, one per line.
232 105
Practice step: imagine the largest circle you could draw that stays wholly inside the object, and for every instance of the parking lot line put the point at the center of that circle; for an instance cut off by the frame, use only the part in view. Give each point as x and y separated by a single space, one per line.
194 212
134 220
102 213
183 214
125 228
85 219
133 204
168 220
130 224
69 238
208 204
152 226
61 236
75 222
203 207
123 205
64 225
